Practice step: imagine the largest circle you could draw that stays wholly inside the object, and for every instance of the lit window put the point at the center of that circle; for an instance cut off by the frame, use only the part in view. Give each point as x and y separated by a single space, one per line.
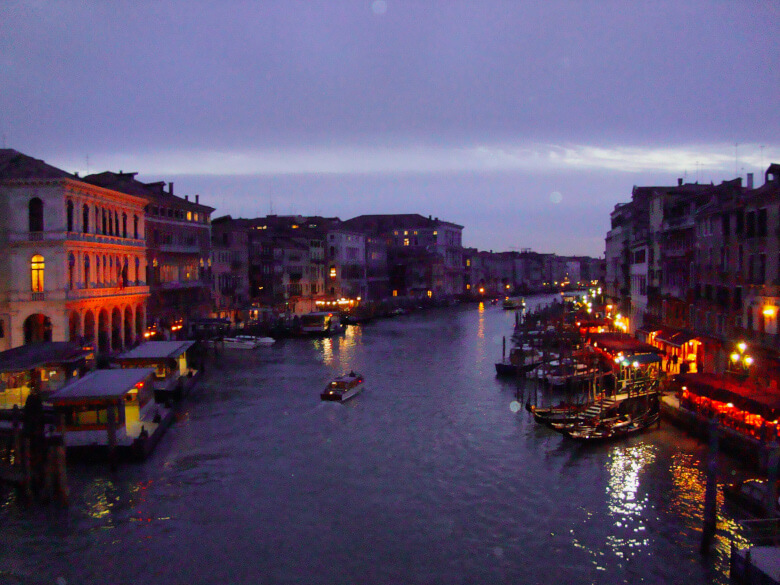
435 233
406 233
406 241
333 272
189 216
395 293
468 262
36 269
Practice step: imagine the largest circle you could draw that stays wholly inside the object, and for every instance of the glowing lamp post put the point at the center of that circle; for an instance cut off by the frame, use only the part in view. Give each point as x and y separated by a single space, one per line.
740 360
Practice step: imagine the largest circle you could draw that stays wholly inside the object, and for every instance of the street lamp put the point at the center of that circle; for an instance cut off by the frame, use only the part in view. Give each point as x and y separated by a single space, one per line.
740 360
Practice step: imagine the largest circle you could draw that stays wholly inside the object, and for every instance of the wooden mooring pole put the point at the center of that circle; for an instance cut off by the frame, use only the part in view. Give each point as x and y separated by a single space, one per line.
711 491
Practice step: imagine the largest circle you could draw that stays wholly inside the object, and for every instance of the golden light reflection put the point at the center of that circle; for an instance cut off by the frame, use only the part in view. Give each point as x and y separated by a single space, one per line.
687 503
626 505
101 499
327 350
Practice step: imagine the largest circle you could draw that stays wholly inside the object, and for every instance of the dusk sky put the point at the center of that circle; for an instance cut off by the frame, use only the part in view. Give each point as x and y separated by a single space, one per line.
525 122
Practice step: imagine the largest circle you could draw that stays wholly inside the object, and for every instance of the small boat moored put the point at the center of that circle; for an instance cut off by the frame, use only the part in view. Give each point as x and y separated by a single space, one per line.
343 388
241 342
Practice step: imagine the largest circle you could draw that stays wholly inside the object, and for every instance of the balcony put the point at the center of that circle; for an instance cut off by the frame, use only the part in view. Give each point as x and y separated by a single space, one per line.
64 236
180 284
676 223
101 292
178 248
668 253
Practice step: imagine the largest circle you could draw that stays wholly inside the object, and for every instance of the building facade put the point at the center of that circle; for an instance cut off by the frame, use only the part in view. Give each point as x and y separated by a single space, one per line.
75 259
178 249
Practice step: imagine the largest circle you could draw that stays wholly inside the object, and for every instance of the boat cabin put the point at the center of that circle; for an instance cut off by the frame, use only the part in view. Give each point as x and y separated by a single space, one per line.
320 323
174 374
42 367
103 402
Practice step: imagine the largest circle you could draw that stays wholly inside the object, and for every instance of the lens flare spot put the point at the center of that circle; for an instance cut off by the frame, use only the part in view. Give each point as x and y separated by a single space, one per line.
556 197
515 406
379 7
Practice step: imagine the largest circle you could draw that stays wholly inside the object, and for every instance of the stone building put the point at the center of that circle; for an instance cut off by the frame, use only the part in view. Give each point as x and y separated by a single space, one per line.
73 258
178 249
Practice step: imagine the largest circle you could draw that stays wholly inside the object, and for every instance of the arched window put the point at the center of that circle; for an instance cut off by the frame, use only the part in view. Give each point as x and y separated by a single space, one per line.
36 215
86 271
137 270
104 231
36 271
135 227
116 223
85 219
98 273
70 215
71 269
124 225
110 224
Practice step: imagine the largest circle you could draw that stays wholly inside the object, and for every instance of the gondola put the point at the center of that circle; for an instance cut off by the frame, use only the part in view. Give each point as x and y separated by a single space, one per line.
615 427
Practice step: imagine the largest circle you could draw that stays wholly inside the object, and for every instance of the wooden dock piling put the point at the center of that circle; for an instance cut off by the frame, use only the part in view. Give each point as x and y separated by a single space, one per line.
711 491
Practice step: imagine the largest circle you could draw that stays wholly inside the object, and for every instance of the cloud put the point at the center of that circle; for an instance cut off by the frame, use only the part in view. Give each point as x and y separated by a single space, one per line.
352 160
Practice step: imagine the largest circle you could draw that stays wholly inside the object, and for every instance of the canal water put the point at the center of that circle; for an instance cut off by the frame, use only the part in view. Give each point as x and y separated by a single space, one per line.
432 475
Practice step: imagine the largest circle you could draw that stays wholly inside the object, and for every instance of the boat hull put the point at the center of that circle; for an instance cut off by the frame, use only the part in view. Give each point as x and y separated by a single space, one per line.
336 396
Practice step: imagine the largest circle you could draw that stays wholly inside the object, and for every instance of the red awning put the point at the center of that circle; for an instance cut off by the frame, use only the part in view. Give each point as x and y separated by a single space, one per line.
615 343
674 337
744 395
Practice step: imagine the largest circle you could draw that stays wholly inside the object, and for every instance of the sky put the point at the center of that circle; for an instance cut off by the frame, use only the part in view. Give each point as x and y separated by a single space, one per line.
524 122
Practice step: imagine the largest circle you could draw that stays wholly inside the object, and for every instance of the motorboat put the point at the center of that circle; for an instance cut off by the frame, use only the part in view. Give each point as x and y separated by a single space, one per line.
343 388
321 324
511 304
241 342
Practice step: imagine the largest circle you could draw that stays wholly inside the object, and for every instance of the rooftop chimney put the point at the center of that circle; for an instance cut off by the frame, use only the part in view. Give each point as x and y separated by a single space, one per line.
170 187
186 197
197 198
679 182
750 180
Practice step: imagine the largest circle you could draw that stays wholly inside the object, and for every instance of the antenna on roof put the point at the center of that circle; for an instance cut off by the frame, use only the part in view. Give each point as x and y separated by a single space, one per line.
736 159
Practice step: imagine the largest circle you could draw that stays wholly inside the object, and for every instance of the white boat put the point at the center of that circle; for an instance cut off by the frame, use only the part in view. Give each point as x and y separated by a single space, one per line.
343 388
241 342
265 340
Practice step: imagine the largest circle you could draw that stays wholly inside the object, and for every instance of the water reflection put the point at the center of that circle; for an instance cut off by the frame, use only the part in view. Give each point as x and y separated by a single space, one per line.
626 504
326 345
100 498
